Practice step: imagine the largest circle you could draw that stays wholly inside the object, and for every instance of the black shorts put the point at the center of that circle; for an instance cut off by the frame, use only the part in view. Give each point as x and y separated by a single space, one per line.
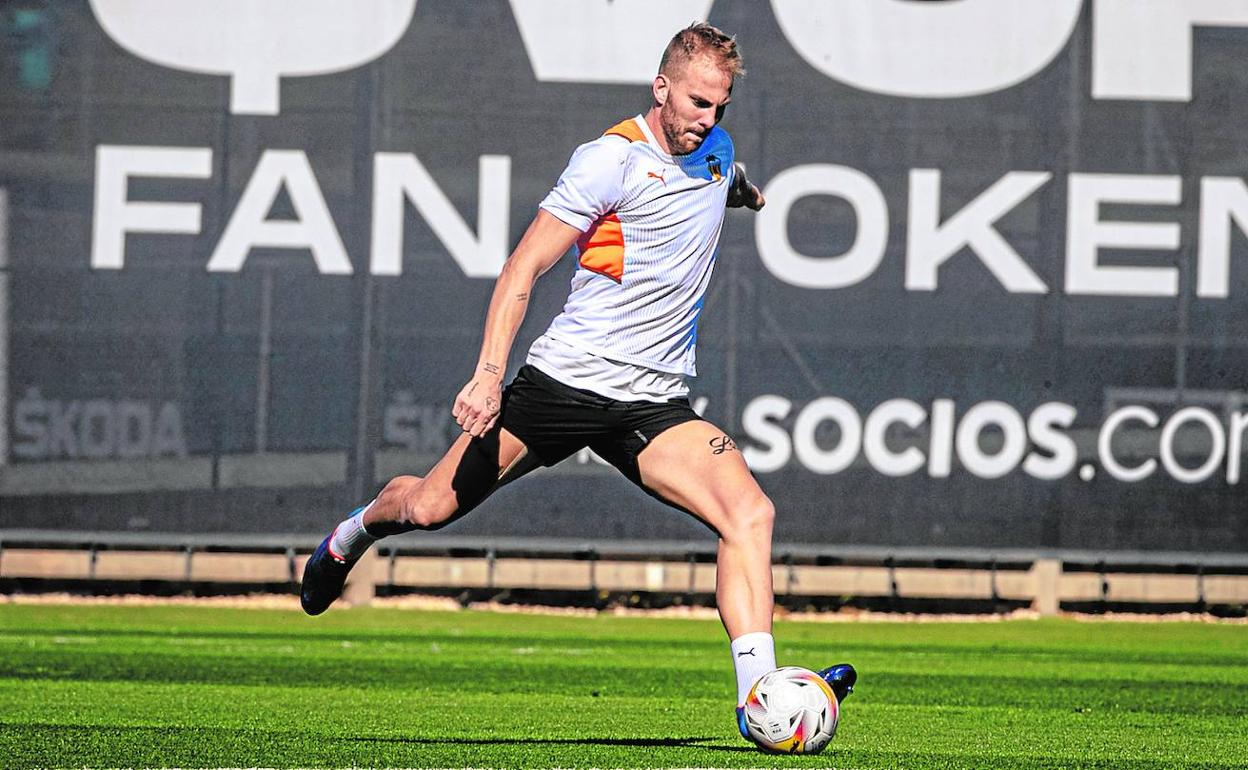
555 420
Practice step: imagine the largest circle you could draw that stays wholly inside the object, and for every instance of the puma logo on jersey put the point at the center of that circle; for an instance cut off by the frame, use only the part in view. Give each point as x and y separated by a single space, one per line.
658 176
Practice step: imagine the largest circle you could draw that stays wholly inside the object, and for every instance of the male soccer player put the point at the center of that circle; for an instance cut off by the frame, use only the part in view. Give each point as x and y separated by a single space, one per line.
644 205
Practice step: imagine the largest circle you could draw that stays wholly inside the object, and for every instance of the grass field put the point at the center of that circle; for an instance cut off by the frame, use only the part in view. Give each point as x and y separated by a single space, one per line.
188 686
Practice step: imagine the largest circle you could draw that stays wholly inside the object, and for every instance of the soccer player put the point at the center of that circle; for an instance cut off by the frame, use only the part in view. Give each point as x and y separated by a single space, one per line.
644 205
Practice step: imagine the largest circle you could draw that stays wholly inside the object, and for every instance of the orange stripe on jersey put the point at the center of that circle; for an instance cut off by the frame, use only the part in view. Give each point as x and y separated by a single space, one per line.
627 129
602 248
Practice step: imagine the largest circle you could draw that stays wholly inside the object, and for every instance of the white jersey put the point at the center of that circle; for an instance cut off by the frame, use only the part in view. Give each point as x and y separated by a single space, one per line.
613 379
651 224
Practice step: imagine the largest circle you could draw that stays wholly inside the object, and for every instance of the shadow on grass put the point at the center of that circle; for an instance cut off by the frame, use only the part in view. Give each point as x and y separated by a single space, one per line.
698 742
78 734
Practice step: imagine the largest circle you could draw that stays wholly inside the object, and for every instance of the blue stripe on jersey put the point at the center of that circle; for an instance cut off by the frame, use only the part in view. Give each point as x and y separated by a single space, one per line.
692 339
713 158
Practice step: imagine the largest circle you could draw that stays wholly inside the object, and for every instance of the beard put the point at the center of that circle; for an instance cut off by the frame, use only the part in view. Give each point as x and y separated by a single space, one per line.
676 132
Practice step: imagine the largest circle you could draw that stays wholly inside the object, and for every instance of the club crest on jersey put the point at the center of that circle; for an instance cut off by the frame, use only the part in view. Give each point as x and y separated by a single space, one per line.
712 165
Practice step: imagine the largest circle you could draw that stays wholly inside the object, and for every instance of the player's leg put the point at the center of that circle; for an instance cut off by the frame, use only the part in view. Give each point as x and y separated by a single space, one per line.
467 474
697 467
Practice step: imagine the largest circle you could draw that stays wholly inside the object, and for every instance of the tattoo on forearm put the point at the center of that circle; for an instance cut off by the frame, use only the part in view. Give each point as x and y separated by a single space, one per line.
491 368
491 404
522 296
722 444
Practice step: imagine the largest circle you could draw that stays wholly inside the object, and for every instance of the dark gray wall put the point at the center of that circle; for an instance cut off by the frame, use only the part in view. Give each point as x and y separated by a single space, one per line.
138 397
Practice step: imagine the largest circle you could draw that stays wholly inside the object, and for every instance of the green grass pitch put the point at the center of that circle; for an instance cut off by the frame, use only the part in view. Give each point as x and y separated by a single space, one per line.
193 686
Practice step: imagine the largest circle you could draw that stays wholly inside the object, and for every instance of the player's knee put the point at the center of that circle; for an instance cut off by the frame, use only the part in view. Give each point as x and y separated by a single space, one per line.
427 517
391 500
751 519
762 514
418 506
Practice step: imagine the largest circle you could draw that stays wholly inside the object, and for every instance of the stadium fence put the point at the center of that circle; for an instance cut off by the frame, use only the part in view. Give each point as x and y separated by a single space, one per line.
630 573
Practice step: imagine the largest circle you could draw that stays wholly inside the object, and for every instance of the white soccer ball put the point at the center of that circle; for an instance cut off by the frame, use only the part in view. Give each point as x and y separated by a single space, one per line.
791 711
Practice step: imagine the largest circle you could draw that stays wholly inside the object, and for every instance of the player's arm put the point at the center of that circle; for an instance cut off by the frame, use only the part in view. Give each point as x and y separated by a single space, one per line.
547 239
743 192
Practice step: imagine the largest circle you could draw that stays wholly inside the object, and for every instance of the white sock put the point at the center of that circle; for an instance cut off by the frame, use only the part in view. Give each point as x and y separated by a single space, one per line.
752 655
350 540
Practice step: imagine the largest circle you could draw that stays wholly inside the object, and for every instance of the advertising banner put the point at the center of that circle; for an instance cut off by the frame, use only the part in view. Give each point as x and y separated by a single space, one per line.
996 296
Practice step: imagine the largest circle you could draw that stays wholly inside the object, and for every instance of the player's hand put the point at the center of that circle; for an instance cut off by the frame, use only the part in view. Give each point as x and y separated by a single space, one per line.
743 192
478 404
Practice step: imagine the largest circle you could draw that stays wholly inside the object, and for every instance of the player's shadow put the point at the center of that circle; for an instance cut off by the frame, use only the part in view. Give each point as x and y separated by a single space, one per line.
696 742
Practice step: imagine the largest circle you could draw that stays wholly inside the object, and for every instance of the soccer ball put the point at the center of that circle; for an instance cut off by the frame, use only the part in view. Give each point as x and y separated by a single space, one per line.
791 711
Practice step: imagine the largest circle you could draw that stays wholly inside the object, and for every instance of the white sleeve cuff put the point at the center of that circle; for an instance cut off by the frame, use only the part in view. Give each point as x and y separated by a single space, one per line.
570 218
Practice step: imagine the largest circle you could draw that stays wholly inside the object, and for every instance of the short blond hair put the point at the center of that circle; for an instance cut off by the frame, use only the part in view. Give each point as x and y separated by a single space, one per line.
702 39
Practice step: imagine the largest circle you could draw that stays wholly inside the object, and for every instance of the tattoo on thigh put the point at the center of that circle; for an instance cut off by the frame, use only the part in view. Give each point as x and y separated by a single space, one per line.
722 444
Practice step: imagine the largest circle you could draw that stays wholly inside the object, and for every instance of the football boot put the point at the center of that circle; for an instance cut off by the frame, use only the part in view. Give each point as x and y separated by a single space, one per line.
745 731
841 678
324 576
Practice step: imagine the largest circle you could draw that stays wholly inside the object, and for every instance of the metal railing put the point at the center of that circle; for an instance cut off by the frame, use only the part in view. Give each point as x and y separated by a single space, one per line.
891 577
